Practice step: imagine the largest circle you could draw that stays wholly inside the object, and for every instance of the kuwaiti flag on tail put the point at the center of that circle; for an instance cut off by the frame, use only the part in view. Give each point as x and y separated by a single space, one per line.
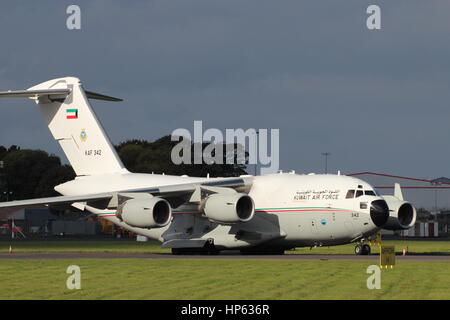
72 113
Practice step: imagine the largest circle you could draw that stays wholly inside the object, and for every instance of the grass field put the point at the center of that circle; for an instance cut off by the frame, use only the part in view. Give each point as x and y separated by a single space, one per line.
84 246
414 247
219 279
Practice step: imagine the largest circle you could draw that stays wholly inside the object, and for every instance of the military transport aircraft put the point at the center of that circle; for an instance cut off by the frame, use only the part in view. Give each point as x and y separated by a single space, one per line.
265 214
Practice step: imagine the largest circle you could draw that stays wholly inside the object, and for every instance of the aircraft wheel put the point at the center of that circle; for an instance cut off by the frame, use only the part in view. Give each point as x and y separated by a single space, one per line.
246 252
279 252
358 249
187 251
212 251
270 251
366 249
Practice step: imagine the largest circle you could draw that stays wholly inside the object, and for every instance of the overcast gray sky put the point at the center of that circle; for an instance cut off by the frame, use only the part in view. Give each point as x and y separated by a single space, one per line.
377 100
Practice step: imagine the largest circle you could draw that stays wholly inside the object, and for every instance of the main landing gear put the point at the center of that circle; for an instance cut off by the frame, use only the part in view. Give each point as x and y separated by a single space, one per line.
207 249
262 251
362 249
195 251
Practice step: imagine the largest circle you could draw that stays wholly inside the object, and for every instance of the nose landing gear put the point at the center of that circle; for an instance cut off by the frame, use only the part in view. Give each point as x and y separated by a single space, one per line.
362 249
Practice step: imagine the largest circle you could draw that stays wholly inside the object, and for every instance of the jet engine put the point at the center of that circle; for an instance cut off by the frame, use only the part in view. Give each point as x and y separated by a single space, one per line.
402 215
229 208
145 212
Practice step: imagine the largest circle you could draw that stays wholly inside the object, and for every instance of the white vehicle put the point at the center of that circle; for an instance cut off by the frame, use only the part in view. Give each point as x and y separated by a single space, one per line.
255 214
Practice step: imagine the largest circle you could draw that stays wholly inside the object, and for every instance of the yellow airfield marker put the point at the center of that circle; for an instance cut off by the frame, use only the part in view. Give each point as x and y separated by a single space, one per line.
387 256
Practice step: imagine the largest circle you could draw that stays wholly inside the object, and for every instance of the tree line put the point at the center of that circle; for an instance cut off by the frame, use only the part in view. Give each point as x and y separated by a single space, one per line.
26 174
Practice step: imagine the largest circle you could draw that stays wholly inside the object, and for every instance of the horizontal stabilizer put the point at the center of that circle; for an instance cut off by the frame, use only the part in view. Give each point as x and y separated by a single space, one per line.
33 93
52 92
98 96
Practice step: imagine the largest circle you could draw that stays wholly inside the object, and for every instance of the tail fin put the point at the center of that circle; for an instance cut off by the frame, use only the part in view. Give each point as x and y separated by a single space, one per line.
72 122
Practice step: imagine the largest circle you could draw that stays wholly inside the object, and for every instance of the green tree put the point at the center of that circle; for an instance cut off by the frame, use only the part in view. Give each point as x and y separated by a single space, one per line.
33 173
147 157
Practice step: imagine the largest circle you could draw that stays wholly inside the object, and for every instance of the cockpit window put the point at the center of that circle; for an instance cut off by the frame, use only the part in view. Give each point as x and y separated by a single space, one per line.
350 194
359 193
369 193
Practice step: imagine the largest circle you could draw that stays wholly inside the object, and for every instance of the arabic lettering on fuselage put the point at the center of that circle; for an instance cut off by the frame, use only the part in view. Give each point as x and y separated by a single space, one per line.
317 195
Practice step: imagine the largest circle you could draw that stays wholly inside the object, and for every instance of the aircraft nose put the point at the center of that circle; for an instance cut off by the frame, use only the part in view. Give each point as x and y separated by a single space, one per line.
379 212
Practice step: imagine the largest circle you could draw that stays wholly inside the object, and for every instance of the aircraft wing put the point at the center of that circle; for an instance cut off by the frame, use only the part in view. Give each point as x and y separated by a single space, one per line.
55 200
175 194
240 184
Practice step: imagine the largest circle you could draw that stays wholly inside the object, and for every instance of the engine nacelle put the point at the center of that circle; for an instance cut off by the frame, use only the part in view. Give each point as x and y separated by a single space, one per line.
145 212
229 208
402 215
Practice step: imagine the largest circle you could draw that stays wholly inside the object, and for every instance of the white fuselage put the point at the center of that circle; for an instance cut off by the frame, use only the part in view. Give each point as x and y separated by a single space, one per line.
290 210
